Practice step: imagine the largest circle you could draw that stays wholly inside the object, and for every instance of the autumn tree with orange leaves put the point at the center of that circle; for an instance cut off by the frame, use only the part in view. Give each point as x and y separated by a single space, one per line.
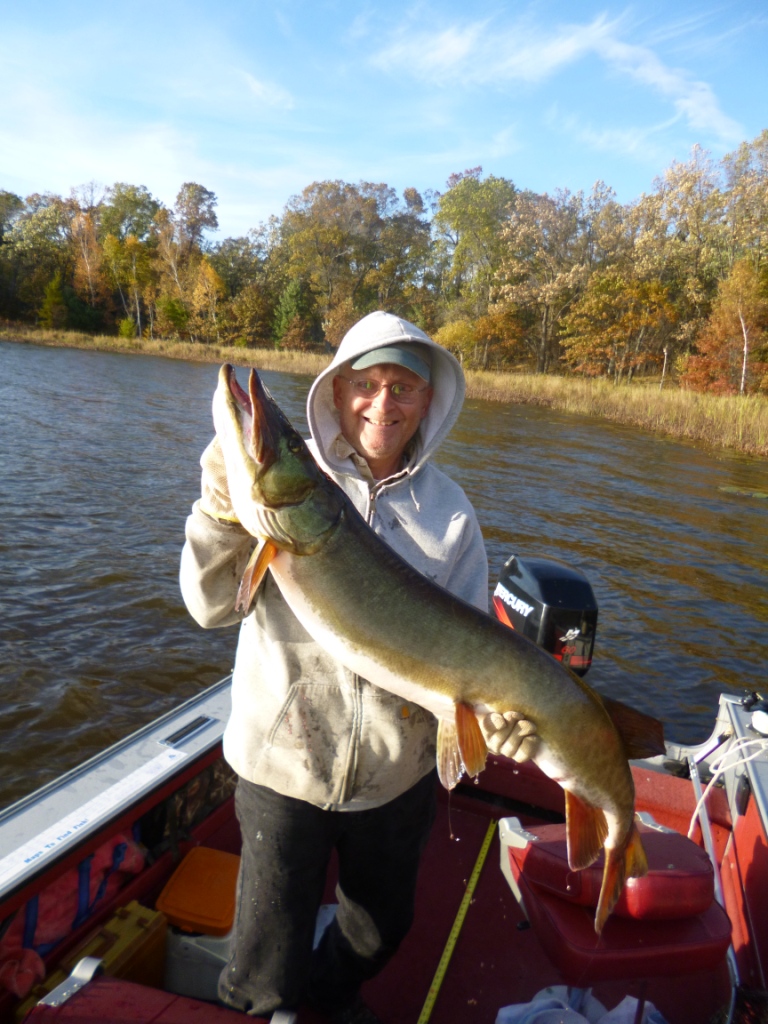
617 326
561 282
732 348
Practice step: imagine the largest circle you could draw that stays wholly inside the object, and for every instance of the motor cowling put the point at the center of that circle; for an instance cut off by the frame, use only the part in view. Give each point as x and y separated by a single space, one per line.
552 604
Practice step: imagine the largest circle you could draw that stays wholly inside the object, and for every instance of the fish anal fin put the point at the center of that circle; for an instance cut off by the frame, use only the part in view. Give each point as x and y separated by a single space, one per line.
586 831
627 861
449 767
635 858
257 565
471 741
641 734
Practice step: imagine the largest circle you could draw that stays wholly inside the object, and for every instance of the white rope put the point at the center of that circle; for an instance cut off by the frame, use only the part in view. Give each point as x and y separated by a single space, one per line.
718 767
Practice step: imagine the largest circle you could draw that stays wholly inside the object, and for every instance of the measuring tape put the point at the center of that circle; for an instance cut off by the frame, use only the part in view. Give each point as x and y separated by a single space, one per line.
453 935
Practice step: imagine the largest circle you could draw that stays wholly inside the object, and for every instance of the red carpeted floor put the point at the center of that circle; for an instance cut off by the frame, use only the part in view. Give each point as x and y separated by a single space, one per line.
495 962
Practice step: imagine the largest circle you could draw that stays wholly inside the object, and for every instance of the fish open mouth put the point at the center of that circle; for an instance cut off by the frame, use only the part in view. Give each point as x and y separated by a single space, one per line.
240 396
261 420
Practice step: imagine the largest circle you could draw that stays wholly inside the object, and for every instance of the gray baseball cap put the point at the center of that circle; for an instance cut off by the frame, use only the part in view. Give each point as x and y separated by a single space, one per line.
413 357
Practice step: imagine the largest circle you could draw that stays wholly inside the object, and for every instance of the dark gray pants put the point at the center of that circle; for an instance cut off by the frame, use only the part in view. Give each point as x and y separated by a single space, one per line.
287 845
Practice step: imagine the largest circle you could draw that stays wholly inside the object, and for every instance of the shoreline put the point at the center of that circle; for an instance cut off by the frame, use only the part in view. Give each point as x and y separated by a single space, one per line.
732 423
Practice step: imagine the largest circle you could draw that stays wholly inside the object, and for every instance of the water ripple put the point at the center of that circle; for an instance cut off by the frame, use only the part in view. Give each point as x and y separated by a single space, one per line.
100 467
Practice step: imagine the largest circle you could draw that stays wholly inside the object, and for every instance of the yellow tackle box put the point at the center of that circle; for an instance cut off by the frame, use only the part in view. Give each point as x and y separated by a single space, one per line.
131 945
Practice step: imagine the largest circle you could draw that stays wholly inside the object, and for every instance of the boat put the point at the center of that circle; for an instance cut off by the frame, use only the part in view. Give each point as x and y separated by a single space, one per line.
117 879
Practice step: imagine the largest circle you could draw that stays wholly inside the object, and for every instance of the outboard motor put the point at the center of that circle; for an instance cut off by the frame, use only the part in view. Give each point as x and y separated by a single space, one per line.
551 604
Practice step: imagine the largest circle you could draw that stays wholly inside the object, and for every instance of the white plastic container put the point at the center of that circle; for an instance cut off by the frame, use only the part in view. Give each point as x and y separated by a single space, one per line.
193 963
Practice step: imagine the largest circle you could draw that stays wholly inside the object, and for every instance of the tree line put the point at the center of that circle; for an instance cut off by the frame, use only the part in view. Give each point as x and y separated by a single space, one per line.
674 283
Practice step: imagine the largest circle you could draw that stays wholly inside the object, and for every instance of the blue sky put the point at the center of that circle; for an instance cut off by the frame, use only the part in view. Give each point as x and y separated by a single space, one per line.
256 100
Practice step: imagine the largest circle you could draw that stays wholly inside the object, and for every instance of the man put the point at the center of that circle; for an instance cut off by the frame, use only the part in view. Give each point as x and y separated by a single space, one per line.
325 759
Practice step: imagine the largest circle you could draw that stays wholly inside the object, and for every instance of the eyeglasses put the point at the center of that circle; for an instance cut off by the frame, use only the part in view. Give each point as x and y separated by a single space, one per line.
403 394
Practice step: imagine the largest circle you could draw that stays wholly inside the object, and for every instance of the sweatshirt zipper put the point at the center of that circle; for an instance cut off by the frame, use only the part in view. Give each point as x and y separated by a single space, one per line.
350 770
373 494
351 766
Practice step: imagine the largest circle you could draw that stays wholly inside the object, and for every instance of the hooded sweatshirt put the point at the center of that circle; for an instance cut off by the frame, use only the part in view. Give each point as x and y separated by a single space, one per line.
302 723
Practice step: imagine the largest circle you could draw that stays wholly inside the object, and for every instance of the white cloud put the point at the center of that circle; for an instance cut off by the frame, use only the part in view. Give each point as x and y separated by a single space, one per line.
646 142
694 101
479 53
540 56
433 55
482 53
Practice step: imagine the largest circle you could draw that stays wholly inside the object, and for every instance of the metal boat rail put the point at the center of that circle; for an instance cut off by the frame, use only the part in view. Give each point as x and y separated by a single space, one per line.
41 828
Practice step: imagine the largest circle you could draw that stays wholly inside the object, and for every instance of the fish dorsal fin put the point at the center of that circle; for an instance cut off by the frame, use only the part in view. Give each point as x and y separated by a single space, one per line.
626 862
257 565
472 743
586 831
641 734
449 767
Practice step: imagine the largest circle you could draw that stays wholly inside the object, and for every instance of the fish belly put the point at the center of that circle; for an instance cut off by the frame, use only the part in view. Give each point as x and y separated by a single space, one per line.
359 661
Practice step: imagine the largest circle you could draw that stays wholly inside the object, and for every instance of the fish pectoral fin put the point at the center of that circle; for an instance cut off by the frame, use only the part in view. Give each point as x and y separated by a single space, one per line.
449 766
461 746
472 745
586 831
627 861
641 734
257 565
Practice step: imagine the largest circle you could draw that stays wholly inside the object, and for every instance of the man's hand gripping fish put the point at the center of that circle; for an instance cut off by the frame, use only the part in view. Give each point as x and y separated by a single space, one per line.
391 625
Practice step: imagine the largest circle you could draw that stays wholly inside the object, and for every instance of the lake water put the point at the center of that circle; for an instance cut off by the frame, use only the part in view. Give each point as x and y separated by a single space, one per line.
99 467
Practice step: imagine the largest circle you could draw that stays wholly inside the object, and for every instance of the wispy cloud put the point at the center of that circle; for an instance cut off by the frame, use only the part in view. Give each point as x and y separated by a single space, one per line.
693 100
645 143
268 93
484 53
481 52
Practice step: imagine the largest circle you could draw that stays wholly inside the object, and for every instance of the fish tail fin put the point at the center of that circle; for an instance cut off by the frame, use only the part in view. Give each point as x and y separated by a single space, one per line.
586 831
621 863
257 565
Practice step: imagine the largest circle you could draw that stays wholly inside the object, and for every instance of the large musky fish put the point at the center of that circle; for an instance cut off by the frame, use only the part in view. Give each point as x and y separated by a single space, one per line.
391 625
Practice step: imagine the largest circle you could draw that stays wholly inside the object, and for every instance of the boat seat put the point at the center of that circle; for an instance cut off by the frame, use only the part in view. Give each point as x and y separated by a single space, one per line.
126 1002
666 923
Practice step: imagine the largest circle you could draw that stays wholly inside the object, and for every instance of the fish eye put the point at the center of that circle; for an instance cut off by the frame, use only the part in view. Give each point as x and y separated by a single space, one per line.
294 443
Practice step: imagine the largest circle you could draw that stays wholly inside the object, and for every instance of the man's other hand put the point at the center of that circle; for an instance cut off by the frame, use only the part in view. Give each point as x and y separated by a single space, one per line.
510 735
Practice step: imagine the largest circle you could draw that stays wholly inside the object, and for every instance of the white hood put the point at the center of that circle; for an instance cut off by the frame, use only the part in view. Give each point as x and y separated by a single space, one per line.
378 330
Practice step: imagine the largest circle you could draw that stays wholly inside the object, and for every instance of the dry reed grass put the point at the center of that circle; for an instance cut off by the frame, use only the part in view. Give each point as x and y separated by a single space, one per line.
719 422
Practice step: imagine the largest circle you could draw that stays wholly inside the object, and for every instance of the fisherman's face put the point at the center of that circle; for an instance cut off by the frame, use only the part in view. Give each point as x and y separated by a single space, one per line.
379 428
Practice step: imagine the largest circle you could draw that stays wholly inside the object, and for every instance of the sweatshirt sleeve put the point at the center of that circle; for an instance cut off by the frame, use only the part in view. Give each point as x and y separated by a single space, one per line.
213 560
468 578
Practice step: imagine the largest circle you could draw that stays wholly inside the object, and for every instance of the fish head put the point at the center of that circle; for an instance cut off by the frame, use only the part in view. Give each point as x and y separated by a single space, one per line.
278 491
